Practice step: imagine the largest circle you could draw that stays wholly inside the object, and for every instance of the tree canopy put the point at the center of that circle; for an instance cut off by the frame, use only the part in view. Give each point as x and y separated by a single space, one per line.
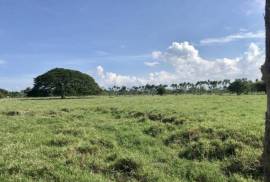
64 82
3 93
240 86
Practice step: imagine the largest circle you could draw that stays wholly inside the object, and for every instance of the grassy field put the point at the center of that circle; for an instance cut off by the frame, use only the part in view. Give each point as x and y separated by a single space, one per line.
144 138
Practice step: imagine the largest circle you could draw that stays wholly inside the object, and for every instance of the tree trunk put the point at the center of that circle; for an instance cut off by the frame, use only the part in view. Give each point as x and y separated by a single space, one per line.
266 78
62 91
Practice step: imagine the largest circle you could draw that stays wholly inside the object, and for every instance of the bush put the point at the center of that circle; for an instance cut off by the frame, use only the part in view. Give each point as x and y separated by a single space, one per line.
246 163
239 86
153 131
210 150
161 90
185 137
200 172
194 134
13 113
126 167
3 93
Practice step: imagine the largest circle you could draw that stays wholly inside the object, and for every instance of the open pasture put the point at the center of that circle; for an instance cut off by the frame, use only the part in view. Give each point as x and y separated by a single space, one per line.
139 138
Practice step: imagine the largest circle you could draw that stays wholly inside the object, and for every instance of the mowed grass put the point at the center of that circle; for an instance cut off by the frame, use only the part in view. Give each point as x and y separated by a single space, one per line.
140 138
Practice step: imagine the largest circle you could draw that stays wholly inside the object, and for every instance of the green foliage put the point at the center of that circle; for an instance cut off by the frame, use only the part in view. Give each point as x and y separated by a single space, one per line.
246 163
64 82
127 167
153 131
239 86
161 90
141 138
3 93
210 150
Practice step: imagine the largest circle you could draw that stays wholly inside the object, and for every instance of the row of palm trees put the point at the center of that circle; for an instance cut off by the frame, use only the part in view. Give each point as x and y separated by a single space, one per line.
200 87
184 87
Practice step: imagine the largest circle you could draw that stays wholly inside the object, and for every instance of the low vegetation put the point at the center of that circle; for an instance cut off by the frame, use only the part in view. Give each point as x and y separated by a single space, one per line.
238 86
140 138
63 82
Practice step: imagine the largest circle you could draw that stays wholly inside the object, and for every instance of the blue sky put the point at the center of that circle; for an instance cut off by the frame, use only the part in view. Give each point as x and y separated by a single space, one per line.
131 42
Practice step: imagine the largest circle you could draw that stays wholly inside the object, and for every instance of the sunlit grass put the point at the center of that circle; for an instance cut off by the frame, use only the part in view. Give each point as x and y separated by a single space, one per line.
144 138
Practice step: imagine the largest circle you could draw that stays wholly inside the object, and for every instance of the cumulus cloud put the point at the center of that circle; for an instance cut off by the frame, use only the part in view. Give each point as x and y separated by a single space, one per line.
111 79
234 37
156 54
151 64
188 65
100 72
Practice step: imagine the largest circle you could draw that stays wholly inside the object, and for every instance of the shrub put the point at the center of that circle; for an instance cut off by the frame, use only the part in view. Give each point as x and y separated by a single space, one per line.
3 93
210 150
13 113
127 167
200 172
155 117
153 131
161 90
246 163
239 86
112 157
184 138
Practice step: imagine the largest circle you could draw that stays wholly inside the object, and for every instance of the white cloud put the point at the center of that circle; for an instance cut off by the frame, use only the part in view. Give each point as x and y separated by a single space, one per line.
151 64
188 65
100 72
111 79
234 37
156 54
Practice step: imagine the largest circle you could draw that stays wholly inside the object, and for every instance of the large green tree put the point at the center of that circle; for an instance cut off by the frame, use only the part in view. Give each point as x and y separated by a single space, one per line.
64 82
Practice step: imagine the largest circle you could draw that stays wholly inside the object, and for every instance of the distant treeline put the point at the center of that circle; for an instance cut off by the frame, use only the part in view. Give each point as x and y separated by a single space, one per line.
238 86
4 93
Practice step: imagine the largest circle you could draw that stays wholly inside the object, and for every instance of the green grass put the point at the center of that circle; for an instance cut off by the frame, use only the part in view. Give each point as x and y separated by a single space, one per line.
144 138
